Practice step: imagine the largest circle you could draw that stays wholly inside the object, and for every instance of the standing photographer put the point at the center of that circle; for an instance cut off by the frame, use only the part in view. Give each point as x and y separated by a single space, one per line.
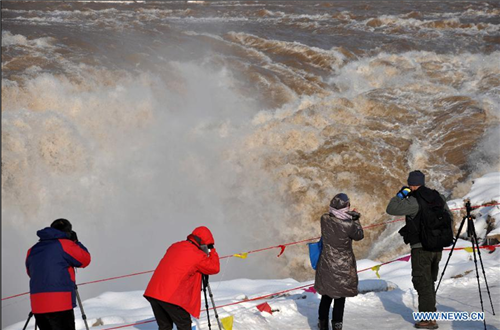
50 265
336 275
419 204
174 290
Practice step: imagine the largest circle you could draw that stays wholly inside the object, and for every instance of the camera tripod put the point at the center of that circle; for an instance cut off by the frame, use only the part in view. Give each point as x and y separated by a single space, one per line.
471 233
206 285
30 315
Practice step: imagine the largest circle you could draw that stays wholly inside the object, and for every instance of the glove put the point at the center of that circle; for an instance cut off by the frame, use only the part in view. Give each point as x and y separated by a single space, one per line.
404 192
355 215
73 237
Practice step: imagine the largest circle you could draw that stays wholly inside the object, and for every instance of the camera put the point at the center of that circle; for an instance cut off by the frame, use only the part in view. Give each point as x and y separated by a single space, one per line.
73 236
355 215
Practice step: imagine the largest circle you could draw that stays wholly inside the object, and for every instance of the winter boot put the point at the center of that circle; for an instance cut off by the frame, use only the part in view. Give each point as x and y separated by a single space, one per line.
336 325
322 324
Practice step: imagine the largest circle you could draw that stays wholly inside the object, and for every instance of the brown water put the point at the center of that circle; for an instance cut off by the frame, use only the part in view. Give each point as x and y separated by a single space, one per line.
140 121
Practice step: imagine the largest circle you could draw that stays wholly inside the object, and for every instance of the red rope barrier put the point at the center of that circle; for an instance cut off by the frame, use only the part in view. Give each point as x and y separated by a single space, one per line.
384 263
489 247
117 277
17 295
221 306
281 246
130 325
226 305
486 247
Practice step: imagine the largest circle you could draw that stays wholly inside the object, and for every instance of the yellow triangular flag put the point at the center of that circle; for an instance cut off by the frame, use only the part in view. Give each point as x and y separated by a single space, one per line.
241 255
227 322
469 249
376 269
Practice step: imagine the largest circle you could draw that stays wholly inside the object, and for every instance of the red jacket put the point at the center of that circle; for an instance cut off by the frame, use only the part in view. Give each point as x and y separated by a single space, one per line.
177 279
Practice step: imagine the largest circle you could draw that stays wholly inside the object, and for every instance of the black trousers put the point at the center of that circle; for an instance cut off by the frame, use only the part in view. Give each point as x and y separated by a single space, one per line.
167 314
64 320
338 308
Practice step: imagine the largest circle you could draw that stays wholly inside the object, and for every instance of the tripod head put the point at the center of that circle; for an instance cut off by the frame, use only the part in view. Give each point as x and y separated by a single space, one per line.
470 219
204 280
468 209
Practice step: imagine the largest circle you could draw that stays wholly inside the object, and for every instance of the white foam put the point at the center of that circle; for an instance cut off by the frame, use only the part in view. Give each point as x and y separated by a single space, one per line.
441 24
9 39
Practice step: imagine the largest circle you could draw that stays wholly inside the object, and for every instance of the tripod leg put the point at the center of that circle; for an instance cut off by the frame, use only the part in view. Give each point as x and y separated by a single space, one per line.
204 282
474 244
451 252
84 317
482 268
213 304
30 315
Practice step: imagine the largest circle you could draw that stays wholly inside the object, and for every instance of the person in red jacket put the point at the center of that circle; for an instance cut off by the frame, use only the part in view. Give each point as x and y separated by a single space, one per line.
174 290
50 265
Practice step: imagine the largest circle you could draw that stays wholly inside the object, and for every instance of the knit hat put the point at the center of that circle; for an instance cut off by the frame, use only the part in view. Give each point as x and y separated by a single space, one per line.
416 178
340 201
62 225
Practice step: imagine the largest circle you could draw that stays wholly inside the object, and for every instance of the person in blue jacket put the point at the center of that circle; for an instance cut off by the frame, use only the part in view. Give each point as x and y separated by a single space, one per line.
50 265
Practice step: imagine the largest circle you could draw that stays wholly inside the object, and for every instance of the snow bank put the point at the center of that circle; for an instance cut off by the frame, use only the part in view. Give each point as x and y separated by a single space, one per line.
483 190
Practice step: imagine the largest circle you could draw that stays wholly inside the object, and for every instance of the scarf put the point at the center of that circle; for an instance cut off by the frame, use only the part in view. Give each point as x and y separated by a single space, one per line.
341 213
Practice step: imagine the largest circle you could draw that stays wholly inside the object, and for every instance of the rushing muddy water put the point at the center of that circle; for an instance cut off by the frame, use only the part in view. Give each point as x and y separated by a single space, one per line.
139 121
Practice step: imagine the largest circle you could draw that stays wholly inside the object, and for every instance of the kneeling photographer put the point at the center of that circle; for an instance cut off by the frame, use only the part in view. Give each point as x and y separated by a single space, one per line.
428 229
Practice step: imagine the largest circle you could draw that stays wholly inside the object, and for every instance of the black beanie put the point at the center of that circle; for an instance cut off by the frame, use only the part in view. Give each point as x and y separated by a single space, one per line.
340 201
62 225
416 178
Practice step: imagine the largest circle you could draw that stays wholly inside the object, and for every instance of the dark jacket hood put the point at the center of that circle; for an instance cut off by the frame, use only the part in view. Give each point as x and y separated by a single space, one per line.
50 233
431 196
204 234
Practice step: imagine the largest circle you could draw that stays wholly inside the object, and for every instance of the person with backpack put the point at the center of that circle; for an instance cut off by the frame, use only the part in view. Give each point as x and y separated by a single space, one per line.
50 265
174 290
336 274
428 230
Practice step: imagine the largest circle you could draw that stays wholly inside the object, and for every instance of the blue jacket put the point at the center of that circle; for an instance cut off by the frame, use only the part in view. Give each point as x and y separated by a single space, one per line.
50 265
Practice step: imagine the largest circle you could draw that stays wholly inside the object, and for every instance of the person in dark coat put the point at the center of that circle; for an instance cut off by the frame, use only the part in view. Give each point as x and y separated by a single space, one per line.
174 290
336 274
424 264
50 265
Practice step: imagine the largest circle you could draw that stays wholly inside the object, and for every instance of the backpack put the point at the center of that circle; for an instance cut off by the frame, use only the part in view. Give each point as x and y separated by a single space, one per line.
435 222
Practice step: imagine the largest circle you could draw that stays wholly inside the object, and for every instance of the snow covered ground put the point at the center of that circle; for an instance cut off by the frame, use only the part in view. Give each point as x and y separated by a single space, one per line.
387 303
